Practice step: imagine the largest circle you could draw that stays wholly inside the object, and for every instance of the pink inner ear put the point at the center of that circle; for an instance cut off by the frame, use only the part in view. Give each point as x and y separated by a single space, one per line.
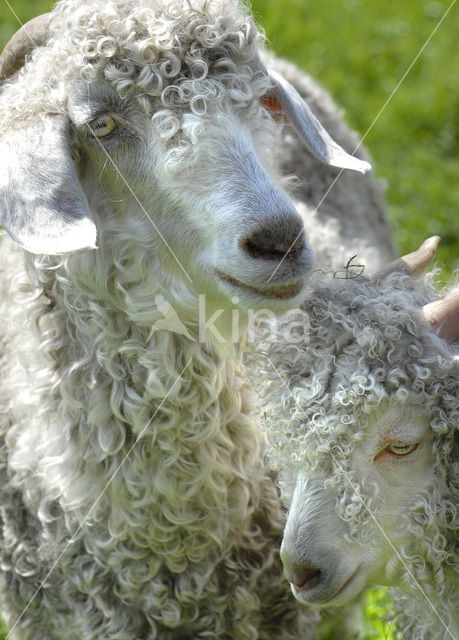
270 102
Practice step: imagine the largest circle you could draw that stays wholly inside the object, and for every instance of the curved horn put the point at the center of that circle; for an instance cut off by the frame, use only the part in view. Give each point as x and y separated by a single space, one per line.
443 315
413 264
30 36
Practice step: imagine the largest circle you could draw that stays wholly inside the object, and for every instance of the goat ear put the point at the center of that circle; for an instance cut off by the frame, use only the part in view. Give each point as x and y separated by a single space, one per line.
42 205
286 99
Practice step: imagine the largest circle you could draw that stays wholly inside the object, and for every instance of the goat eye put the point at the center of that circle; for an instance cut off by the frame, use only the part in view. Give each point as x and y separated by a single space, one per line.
401 448
102 126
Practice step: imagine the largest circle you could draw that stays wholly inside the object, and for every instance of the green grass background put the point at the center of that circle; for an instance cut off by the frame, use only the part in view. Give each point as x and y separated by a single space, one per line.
360 50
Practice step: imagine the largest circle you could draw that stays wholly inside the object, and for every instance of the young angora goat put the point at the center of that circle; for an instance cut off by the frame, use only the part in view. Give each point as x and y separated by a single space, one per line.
365 431
134 503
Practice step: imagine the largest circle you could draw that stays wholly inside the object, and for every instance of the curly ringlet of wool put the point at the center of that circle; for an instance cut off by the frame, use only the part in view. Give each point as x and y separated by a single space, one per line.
368 347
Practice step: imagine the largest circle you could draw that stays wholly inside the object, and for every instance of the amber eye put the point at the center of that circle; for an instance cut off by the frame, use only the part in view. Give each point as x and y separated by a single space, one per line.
401 448
102 126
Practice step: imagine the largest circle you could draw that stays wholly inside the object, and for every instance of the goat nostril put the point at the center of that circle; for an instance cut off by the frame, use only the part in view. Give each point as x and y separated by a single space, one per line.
268 248
255 250
306 579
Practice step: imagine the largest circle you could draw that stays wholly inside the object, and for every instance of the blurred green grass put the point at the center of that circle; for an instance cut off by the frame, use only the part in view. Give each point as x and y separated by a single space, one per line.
367 622
359 51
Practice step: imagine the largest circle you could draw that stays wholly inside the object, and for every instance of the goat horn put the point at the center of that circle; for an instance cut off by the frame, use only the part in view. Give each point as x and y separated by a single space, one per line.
30 36
413 264
443 315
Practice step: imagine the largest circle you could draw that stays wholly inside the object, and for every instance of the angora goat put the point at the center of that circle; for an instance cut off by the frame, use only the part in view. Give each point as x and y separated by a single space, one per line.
134 501
366 442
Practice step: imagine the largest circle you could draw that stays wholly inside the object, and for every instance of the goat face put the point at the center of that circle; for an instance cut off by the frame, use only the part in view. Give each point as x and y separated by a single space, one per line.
366 439
345 530
210 207
164 120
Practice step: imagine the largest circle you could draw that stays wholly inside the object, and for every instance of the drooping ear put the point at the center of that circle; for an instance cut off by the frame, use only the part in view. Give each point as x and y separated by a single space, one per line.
285 99
42 205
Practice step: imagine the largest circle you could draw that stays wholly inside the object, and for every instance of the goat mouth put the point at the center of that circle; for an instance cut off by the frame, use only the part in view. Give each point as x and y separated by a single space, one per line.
280 292
345 584
302 594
